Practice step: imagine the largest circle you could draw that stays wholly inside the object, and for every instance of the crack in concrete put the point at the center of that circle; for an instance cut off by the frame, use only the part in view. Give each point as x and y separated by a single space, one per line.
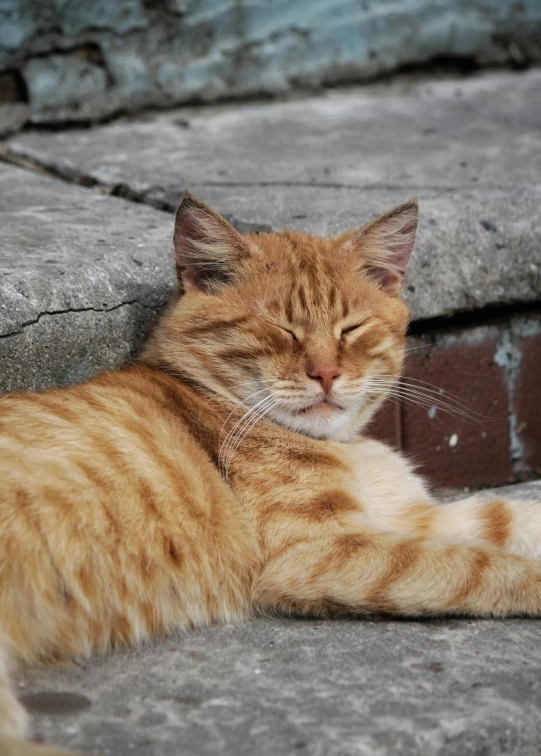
75 310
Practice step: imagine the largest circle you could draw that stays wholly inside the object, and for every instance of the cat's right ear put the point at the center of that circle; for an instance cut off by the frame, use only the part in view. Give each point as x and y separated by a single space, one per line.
207 247
384 245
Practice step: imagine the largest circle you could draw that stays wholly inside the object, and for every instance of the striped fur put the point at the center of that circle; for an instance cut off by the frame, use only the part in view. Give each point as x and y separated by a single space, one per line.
216 479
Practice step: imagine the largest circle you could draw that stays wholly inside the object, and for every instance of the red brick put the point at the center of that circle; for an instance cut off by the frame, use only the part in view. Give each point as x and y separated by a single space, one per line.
385 425
528 401
463 365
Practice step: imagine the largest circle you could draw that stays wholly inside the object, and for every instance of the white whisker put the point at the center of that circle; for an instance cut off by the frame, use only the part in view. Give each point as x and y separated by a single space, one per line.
430 394
240 404
223 450
245 424
247 427
423 397
421 346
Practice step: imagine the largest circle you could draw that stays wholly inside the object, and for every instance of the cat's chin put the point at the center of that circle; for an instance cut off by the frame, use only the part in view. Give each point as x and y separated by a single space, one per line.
325 421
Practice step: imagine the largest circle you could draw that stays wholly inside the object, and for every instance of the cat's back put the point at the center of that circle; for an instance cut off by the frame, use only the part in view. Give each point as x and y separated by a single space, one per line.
109 499
121 427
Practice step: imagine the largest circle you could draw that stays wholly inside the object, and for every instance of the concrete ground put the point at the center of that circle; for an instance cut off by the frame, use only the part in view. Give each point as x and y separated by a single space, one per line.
83 274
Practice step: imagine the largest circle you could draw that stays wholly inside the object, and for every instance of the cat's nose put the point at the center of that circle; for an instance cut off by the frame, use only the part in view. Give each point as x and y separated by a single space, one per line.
325 374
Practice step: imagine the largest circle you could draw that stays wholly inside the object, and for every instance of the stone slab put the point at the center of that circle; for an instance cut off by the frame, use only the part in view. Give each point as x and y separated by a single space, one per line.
82 276
447 134
470 148
275 687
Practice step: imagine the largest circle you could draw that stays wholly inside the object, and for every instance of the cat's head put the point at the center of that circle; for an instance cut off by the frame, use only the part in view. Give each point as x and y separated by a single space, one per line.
308 331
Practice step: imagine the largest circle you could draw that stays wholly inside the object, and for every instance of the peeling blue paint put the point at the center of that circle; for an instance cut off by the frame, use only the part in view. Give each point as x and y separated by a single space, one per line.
508 356
177 50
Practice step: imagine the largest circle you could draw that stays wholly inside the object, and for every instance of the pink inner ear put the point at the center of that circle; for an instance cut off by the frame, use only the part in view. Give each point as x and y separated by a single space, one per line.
390 280
388 242
402 246
188 229
207 247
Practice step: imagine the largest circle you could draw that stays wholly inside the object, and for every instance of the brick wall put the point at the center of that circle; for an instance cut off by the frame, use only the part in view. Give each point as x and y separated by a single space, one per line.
489 376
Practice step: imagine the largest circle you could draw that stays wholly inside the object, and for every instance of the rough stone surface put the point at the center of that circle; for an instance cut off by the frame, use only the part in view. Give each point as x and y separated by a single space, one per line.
82 276
329 163
402 137
135 53
69 347
346 688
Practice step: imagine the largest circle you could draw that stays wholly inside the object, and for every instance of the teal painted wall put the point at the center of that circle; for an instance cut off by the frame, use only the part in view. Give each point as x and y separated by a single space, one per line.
81 59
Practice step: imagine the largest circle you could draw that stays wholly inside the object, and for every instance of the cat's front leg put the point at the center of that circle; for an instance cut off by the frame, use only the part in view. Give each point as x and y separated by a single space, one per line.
396 499
322 554
363 571
514 525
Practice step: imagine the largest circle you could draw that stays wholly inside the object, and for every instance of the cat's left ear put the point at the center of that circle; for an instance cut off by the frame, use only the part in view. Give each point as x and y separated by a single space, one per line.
207 247
385 244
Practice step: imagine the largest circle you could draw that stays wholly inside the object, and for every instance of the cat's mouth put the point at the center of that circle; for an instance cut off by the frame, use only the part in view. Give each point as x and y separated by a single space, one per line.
324 407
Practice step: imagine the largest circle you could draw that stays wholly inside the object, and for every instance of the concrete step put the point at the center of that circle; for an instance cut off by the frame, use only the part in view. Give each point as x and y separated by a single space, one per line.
82 276
470 148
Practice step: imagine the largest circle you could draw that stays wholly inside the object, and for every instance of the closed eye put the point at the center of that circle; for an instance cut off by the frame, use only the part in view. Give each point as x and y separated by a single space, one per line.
352 328
288 331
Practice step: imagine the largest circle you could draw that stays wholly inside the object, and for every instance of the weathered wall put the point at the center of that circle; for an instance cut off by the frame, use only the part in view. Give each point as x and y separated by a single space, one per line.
492 434
83 59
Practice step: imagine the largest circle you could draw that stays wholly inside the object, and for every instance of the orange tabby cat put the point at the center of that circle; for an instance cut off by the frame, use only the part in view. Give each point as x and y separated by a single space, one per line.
224 473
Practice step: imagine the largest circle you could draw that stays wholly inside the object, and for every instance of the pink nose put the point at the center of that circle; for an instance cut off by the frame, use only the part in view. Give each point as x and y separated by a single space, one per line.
325 374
